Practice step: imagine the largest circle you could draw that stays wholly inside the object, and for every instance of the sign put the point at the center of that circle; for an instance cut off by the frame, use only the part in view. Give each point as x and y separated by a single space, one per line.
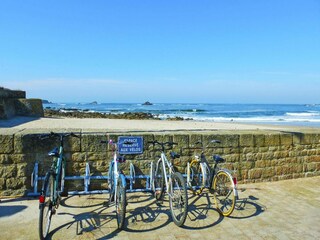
130 145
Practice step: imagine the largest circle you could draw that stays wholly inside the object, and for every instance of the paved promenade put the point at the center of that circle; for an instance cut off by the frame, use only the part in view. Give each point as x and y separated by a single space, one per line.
287 209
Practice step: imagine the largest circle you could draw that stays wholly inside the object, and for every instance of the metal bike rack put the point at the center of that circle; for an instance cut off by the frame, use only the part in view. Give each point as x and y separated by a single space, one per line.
35 178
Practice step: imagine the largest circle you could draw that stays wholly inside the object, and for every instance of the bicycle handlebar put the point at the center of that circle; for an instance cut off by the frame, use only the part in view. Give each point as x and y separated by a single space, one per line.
163 144
212 141
60 135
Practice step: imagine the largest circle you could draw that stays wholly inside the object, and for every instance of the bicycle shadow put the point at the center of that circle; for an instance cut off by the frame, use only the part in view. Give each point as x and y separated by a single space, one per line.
82 201
201 213
153 216
9 210
90 224
248 207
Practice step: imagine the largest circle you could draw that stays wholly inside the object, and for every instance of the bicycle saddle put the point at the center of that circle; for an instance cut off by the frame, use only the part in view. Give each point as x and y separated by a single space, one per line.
54 152
174 155
218 159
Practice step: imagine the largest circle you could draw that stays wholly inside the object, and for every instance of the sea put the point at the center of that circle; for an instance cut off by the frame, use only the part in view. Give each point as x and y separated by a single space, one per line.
279 114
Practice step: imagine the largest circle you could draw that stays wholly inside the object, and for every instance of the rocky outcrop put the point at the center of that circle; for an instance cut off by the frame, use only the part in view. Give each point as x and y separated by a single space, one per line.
84 114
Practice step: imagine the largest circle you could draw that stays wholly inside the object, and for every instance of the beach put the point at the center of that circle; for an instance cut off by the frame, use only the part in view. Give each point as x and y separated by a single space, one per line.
46 124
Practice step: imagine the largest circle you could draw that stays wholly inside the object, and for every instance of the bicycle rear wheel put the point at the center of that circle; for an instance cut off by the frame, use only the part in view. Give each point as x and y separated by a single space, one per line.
197 182
224 193
121 202
178 199
46 206
159 181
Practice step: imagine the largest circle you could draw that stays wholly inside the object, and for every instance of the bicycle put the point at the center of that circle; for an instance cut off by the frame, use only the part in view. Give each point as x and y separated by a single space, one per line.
53 185
220 181
174 182
117 185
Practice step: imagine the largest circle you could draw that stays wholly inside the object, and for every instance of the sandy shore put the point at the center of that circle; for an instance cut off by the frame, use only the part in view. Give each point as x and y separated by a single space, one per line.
120 125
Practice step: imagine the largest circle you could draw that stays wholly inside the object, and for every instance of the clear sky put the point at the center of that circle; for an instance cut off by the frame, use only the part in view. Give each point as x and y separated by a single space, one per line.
235 51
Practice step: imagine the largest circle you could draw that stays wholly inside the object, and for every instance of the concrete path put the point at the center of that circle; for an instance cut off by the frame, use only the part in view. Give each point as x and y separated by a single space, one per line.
279 210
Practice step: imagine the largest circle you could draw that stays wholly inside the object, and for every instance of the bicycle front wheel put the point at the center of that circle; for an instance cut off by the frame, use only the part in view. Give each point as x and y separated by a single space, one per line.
121 202
224 194
159 181
46 206
111 183
178 199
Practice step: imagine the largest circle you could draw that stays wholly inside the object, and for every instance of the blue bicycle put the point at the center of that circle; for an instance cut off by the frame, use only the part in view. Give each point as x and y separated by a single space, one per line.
53 185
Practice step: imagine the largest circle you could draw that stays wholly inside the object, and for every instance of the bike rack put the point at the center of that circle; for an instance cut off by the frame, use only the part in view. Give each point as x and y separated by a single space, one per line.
35 178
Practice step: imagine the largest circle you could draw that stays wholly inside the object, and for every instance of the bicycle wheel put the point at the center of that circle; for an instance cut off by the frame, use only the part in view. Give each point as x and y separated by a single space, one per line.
197 182
224 195
178 199
46 206
121 202
159 181
111 183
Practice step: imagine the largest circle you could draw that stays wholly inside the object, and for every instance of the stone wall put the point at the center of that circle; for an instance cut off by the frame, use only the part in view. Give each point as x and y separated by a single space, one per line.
253 156
14 103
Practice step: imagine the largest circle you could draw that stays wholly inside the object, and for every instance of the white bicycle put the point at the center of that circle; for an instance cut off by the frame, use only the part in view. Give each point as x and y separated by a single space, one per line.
173 182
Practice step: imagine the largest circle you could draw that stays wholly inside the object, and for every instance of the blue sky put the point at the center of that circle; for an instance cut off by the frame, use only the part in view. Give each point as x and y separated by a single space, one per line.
248 51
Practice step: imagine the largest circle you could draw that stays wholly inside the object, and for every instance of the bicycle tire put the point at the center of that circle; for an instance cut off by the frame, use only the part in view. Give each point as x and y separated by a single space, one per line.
197 183
178 199
121 203
111 183
224 193
159 181
46 208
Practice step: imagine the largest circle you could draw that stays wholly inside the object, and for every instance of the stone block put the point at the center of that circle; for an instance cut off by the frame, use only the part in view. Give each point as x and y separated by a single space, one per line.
268 172
5 159
22 170
309 138
2 183
272 140
286 139
8 171
6 144
92 143
29 107
146 139
16 183
259 140
246 140
182 140
193 139
255 174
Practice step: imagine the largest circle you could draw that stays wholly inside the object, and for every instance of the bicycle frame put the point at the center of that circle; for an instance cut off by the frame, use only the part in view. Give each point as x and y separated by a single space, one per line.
167 177
208 173
115 174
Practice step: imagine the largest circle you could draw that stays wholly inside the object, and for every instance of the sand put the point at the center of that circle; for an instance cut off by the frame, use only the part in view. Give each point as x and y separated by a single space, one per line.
124 125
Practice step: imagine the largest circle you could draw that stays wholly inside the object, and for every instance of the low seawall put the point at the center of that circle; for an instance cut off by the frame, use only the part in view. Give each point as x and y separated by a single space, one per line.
254 156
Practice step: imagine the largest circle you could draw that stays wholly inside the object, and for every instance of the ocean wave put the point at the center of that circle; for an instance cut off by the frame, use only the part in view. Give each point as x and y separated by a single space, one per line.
303 114
191 110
